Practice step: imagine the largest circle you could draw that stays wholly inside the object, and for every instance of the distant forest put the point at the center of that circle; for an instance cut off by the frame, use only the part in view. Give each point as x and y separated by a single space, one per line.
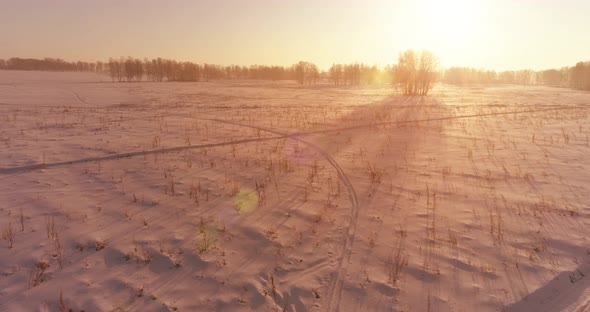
409 67
577 77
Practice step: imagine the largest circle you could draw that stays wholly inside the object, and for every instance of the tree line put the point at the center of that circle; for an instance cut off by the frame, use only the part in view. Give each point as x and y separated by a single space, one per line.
576 77
357 74
131 69
49 64
415 72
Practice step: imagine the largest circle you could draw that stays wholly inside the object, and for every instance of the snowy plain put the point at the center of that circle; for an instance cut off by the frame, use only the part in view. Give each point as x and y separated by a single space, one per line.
270 196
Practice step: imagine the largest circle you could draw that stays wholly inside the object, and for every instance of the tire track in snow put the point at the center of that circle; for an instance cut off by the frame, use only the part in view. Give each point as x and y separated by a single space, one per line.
37 166
294 136
443 118
335 290
79 97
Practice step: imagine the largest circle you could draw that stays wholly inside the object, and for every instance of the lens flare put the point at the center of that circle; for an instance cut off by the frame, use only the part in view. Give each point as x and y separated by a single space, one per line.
246 201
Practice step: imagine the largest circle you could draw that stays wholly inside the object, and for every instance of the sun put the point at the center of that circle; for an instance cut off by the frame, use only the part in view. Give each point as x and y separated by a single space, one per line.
453 22
451 29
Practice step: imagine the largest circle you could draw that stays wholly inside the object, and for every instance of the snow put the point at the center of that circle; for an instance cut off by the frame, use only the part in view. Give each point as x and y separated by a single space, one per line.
256 195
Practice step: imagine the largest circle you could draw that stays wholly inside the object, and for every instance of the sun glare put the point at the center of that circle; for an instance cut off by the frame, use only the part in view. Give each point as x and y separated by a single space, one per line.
454 22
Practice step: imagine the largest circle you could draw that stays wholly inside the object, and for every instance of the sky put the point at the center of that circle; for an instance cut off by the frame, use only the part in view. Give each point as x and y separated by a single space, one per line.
491 34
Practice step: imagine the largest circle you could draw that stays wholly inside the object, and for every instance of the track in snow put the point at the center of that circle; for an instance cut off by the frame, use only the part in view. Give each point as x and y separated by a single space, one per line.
335 290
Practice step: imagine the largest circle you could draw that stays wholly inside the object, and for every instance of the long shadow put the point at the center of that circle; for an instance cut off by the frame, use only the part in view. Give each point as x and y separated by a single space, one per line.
295 134
347 249
558 294
413 121
33 167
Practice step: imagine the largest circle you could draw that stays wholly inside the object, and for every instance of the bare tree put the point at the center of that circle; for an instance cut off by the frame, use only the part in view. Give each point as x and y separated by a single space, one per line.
112 69
580 76
299 69
525 77
116 69
416 72
405 72
427 72
336 73
306 72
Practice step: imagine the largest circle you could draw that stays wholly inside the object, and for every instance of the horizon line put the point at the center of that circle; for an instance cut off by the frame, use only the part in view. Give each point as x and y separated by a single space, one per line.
380 66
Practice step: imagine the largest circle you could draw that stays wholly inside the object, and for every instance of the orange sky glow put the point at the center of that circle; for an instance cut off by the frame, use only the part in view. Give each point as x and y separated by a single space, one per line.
496 34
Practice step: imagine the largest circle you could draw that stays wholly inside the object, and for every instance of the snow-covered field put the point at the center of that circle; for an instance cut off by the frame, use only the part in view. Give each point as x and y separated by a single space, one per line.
264 196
